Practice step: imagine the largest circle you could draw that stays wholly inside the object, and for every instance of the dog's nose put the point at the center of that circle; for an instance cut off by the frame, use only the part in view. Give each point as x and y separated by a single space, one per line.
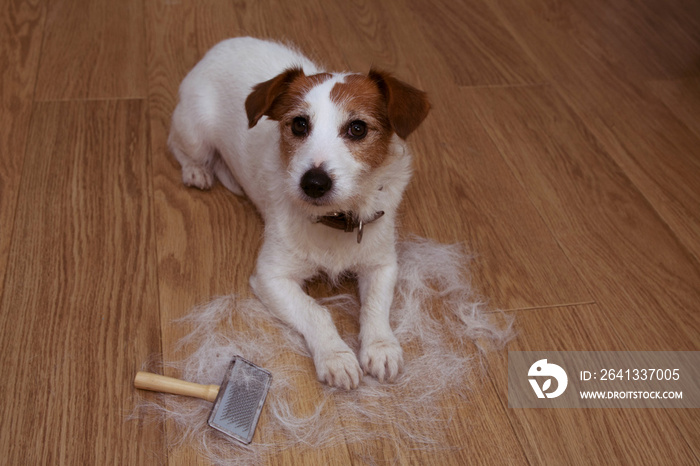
316 182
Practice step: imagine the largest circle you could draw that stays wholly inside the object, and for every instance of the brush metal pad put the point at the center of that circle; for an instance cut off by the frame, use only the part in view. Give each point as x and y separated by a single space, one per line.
240 400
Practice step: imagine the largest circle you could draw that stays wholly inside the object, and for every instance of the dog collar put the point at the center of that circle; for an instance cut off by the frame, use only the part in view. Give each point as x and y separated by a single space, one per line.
347 221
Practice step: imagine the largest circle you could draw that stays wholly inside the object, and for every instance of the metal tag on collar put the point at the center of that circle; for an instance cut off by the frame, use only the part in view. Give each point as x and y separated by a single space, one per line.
361 225
360 229
347 221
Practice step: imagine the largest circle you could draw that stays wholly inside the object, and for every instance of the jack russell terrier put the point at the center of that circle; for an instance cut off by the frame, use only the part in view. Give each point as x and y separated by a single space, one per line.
328 160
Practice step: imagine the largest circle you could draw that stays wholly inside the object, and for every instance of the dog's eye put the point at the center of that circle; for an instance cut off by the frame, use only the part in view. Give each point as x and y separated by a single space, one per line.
300 126
357 129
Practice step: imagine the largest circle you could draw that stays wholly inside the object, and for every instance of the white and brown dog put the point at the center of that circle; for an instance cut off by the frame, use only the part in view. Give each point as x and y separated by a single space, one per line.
329 158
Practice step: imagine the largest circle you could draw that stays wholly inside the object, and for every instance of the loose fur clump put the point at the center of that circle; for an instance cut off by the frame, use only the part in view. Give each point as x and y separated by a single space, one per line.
445 332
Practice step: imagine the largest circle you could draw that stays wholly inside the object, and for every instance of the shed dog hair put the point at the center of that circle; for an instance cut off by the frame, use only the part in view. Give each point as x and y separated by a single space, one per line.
323 157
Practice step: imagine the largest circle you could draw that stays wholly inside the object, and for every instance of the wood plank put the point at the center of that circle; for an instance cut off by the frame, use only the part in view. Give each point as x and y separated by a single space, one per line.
480 430
20 43
473 42
637 40
682 97
586 436
270 19
627 257
93 50
80 309
388 36
365 33
648 142
630 261
172 52
475 430
519 263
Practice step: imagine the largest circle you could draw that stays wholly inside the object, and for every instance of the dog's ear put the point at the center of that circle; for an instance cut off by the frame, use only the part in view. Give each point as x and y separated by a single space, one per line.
263 97
407 106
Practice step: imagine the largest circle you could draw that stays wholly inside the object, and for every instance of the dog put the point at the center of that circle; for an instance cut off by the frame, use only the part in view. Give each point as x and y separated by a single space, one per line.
323 157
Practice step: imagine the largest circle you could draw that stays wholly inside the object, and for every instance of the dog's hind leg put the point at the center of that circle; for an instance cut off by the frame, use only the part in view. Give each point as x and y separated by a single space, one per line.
199 176
226 177
197 172
195 155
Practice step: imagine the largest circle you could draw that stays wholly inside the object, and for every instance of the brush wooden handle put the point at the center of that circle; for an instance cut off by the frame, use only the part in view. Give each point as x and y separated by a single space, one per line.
161 383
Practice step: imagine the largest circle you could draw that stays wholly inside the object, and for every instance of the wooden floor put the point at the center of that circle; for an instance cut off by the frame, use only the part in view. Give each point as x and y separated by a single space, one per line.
563 148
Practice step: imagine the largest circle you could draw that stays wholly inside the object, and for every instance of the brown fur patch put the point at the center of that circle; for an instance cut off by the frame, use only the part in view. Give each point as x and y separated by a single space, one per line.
381 101
360 99
289 105
407 106
289 144
261 100
293 98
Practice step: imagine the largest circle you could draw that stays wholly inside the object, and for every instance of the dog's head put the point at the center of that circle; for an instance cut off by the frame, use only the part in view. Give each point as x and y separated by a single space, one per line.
336 130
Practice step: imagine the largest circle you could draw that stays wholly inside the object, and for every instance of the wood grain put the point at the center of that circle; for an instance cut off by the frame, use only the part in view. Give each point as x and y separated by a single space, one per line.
633 39
270 19
653 147
477 191
80 305
593 436
682 97
562 149
477 47
93 50
172 51
566 172
20 39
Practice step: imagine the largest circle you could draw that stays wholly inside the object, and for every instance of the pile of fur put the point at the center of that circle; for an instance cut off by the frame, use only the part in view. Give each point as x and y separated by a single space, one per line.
445 332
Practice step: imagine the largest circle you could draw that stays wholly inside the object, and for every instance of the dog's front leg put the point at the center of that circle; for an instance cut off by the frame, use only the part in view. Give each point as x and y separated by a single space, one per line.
336 364
380 351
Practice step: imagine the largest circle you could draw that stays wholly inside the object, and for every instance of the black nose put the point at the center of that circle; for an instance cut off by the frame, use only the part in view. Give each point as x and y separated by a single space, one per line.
316 182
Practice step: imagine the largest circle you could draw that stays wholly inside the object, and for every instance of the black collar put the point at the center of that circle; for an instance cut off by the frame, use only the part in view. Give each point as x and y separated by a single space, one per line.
347 221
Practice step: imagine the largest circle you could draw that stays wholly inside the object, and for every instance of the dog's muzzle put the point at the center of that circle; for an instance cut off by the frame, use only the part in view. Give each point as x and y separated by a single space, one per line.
348 221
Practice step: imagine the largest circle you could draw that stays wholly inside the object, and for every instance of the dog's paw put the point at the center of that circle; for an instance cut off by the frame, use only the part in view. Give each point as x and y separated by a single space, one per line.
382 358
197 176
339 369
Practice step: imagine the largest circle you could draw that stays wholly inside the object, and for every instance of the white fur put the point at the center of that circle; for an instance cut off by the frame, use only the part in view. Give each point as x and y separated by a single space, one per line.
210 118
